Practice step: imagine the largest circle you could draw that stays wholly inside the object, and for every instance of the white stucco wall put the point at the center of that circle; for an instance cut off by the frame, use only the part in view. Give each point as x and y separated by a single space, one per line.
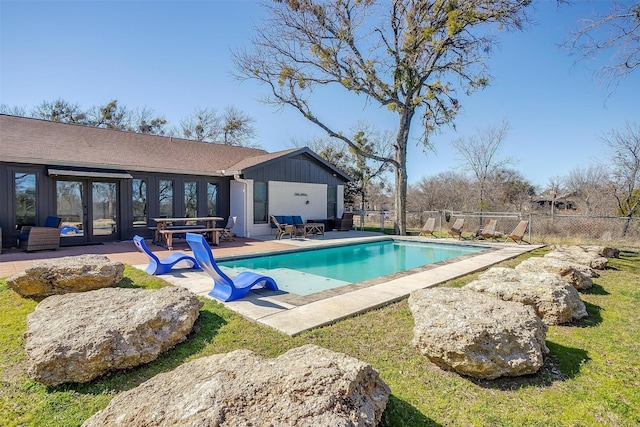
290 198
285 198
239 207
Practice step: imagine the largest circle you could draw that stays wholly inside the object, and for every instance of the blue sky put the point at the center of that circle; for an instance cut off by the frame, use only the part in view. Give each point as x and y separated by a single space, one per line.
174 56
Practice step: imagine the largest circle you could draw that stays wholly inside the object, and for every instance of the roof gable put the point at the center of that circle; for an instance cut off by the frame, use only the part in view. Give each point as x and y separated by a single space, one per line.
252 163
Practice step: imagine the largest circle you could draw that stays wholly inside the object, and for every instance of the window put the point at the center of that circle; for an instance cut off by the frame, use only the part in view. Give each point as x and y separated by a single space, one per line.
212 199
191 199
25 189
165 198
332 201
259 202
139 202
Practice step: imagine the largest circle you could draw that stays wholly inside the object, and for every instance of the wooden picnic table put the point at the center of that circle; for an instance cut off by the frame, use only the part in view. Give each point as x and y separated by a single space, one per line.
165 229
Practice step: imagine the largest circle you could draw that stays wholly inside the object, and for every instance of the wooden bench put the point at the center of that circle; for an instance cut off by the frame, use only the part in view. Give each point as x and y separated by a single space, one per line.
167 234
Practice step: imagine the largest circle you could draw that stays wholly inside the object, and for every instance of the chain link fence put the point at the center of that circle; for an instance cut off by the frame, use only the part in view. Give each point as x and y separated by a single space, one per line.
543 229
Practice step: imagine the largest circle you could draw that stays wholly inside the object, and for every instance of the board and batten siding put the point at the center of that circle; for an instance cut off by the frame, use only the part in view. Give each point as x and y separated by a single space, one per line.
301 168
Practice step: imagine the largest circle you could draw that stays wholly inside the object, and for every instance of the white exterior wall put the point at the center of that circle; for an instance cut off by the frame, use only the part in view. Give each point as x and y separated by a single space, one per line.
290 198
240 207
285 198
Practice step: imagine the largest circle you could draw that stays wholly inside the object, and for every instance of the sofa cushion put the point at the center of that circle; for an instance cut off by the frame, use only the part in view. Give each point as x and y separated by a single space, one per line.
52 221
287 219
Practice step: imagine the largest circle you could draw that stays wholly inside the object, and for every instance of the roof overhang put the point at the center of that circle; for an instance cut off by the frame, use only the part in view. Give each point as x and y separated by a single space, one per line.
88 173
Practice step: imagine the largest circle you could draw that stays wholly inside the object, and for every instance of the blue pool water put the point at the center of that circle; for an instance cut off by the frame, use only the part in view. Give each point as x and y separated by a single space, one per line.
306 272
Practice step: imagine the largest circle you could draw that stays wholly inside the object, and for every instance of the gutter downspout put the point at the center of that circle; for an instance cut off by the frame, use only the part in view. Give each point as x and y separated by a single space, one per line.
245 221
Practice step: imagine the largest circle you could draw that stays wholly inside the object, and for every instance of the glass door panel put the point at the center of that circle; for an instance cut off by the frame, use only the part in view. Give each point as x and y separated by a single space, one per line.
70 207
104 208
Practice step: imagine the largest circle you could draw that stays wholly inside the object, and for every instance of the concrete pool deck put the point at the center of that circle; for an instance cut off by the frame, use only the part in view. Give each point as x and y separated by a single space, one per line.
274 310
284 312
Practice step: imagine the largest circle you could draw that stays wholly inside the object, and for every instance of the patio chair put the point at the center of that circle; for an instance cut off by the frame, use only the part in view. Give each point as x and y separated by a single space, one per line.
428 227
345 223
282 229
156 265
489 230
456 230
41 238
517 235
226 234
225 288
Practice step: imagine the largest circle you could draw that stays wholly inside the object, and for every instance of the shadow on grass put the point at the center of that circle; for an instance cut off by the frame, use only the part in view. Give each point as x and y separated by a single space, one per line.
400 413
594 319
204 331
569 359
128 283
597 290
562 363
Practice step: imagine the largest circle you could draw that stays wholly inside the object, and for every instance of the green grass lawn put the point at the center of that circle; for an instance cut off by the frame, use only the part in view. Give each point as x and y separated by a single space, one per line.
592 376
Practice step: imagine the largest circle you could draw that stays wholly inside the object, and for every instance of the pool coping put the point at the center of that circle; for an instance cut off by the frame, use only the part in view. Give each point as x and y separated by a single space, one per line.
269 309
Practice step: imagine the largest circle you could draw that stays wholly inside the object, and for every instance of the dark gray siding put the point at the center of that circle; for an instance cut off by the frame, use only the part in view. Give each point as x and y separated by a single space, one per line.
301 168
46 199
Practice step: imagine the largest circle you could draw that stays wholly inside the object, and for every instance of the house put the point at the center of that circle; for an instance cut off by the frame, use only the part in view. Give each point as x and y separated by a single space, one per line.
107 185
560 202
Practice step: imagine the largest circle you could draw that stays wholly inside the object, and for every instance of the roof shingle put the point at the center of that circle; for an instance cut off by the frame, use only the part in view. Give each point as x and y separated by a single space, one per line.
26 140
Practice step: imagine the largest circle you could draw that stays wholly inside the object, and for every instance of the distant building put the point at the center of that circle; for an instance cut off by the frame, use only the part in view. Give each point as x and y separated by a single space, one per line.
561 202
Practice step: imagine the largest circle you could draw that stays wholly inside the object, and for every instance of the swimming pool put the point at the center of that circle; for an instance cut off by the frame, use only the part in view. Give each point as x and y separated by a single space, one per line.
310 271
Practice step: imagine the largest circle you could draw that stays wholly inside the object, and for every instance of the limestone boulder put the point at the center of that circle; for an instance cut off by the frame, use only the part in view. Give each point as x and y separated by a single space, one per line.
68 274
553 299
579 255
74 338
605 251
476 334
306 386
578 275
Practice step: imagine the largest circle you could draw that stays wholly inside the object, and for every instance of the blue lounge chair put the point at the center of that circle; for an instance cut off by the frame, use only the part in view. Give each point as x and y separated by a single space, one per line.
225 288
157 266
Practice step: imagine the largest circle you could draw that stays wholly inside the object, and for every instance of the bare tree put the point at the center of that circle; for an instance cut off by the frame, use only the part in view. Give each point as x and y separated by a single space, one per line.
232 127
615 35
399 54
110 116
480 154
203 124
591 184
445 191
60 111
624 146
13 111
147 121
555 188
512 190
238 128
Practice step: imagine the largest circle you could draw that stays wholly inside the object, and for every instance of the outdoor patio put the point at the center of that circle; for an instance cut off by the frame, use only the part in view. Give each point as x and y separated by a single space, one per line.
13 260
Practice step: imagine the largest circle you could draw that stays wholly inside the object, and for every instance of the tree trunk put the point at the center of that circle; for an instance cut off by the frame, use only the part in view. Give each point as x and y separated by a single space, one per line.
625 228
400 200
